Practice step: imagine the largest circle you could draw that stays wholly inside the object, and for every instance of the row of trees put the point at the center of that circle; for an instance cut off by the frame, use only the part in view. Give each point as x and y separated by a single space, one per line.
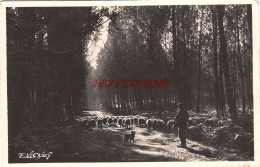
206 52
46 64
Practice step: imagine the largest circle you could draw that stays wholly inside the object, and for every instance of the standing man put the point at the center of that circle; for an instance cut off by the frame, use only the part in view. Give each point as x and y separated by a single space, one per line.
181 122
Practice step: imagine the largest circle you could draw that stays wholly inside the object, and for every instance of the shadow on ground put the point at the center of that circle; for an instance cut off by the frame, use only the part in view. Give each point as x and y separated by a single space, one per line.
106 145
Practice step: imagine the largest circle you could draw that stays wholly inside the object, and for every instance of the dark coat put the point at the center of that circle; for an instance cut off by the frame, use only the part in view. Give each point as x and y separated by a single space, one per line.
181 119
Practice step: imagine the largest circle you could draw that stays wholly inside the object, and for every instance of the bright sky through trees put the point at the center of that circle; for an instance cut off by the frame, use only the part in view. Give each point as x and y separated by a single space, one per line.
96 46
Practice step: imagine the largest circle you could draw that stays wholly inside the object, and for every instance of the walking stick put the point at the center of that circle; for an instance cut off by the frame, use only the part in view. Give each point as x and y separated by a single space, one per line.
178 129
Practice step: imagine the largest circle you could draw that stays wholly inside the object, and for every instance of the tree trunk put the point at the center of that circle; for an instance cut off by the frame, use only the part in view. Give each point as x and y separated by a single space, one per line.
224 54
199 68
241 69
216 77
250 77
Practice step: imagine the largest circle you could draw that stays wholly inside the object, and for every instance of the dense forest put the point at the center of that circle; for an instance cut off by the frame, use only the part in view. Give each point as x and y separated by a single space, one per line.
205 51
46 62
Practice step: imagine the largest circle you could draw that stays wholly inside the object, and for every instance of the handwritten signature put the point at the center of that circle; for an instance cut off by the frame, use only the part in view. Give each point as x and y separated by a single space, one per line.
34 155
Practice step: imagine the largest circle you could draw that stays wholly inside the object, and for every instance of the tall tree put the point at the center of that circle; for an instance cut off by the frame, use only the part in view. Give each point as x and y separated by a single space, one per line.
199 64
224 54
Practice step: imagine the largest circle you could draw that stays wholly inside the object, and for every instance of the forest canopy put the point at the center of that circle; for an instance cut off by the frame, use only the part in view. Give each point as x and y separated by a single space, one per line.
206 51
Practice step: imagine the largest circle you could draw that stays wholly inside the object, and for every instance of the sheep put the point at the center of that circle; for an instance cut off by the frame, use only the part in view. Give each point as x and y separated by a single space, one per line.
127 123
91 123
135 120
115 120
141 122
169 124
149 124
84 123
155 124
138 116
175 130
104 121
120 122
109 121
99 122
161 124
132 121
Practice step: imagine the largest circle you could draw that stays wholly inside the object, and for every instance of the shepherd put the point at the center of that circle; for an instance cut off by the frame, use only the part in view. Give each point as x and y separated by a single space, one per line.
181 122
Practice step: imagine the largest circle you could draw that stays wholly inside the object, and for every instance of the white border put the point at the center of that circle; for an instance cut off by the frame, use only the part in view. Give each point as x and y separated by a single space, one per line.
3 79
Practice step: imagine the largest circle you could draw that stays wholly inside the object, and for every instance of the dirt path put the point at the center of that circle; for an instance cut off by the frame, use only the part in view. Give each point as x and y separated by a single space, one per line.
105 145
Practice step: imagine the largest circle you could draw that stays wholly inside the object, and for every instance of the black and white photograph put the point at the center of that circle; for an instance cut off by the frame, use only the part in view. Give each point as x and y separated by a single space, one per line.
140 83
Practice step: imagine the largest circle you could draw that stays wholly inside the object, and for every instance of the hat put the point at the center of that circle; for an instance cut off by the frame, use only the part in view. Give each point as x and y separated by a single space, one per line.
179 104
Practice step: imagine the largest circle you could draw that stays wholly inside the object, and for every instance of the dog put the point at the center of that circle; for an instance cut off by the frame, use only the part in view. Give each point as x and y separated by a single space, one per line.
126 139
132 137
129 138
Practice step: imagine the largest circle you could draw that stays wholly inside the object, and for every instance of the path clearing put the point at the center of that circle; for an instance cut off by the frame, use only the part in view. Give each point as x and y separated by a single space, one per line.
105 145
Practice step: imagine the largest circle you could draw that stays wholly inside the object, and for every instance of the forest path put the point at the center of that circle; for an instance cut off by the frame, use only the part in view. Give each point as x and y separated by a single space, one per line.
106 145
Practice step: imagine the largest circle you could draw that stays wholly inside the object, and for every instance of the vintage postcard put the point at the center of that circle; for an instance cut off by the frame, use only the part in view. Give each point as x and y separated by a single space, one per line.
116 82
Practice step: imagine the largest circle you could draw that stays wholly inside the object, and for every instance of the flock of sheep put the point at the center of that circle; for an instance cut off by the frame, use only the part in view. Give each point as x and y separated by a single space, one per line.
128 122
